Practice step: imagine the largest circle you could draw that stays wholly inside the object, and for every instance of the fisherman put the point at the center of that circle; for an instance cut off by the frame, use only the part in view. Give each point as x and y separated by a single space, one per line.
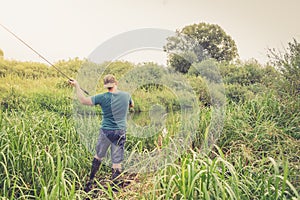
114 105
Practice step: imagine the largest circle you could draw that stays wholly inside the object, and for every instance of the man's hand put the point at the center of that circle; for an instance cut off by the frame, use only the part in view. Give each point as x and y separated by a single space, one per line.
73 82
79 92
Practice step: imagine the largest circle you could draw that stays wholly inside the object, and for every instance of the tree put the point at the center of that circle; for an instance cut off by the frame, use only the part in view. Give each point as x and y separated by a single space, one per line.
197 42
288 63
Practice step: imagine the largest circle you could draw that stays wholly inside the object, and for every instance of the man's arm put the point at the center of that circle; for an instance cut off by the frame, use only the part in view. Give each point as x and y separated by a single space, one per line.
81 97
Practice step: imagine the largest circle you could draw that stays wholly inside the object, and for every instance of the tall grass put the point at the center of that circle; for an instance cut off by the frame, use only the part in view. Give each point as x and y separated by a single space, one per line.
43 155
197 176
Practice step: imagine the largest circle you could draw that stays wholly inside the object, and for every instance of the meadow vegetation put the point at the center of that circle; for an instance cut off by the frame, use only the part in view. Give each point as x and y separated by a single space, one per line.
257 155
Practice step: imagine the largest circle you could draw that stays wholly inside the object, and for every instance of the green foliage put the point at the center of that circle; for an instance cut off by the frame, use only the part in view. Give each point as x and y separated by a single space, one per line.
91 74
237 93
206 69
249 73
39 155
260 128
42 154
181 62
118 68
1 54
271 77
197 176
142 75
69 67
289 64
34 70
213 39
200 87
248 79
199 41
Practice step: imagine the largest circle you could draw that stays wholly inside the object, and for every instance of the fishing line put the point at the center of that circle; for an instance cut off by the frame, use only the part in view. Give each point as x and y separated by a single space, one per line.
57 69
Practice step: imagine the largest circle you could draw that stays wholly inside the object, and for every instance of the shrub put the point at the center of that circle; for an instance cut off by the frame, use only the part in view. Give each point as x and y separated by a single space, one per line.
237 93
288 63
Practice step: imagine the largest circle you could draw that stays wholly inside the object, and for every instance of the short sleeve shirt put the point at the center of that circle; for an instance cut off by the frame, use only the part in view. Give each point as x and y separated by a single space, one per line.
114 107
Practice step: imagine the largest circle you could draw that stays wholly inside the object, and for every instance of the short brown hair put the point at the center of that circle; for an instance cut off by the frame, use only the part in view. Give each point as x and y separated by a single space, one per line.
109 81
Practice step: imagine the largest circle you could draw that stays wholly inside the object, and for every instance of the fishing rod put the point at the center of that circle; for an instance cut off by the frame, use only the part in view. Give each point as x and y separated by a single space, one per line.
56 68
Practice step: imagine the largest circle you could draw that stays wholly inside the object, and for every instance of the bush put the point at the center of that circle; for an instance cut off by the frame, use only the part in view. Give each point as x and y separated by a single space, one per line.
288 63
200 87
237 93
207 69
246 74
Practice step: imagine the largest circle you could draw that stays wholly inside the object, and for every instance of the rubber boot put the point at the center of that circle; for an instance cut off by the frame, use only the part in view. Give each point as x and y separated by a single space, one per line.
95 167
115 176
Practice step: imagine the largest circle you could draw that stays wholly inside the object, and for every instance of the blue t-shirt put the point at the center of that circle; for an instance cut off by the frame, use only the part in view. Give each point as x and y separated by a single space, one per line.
114 107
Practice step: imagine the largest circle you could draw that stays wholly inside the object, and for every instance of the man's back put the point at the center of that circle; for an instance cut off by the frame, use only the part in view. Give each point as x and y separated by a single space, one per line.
114 107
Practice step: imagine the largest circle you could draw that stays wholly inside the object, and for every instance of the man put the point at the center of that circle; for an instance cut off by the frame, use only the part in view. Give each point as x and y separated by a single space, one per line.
114 105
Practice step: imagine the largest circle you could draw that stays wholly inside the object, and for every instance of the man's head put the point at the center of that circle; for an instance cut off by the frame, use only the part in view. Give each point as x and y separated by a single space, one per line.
110 81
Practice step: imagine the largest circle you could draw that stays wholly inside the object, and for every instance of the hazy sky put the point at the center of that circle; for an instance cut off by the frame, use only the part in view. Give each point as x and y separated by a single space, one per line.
63 29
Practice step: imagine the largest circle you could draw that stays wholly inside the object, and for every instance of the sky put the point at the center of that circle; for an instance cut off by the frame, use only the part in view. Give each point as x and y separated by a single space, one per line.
65 29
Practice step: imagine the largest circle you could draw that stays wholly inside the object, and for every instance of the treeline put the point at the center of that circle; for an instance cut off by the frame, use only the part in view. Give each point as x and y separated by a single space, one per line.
36 70
238 80
242 80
